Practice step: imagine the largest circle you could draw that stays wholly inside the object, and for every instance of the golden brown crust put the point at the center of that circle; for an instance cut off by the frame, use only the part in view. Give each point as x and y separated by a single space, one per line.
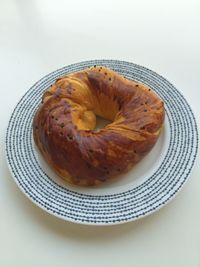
63 125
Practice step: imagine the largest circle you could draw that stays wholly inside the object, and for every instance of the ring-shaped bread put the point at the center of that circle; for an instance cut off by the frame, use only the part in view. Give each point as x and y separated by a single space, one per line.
64 124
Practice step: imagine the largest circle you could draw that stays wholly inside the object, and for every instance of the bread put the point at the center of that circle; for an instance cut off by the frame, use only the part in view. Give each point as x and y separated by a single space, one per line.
63 126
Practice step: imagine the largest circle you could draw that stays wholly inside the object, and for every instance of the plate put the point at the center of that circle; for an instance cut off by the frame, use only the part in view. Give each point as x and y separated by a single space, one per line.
145 189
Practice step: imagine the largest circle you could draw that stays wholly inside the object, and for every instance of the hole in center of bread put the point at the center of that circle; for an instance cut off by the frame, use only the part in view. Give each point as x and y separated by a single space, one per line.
101 123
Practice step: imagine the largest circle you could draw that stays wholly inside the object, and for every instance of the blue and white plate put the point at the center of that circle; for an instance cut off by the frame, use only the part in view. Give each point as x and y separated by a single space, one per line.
145 189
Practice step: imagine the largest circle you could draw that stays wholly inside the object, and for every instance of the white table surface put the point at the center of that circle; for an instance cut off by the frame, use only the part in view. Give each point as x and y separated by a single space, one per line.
37 37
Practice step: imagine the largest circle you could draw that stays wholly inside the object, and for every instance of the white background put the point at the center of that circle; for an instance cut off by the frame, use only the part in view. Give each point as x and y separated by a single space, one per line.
37 37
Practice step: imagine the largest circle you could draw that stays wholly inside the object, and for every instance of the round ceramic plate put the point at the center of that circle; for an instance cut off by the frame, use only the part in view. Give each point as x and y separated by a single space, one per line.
143 190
